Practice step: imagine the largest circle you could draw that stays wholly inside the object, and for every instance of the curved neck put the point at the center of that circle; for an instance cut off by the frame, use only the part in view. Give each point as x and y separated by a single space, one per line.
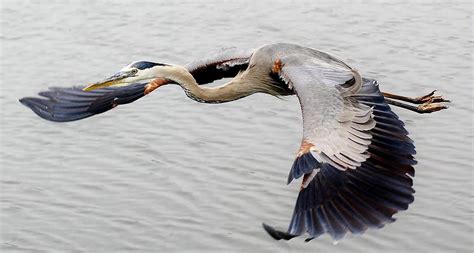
233 90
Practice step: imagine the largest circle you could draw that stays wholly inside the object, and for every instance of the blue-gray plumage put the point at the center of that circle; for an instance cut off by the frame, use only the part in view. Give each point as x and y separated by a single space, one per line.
337 201
69 104
356 159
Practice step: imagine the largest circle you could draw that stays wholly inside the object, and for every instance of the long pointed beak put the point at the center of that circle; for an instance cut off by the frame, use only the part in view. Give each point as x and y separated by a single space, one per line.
113 80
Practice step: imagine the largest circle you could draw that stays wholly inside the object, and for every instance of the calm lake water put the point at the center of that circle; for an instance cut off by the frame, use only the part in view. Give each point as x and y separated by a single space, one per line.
169 174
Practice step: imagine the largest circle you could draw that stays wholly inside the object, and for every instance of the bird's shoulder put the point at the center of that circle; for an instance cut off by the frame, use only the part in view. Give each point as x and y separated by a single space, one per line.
298 56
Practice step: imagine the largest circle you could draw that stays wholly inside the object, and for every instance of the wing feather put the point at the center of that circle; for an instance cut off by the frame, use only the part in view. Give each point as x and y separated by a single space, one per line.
62 104
333 121
69 104
337 201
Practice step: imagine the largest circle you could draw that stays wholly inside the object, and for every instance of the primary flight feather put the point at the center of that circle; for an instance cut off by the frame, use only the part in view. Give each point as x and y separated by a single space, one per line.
355 159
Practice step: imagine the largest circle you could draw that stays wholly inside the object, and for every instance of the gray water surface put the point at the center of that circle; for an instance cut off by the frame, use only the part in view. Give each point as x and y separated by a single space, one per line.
168 174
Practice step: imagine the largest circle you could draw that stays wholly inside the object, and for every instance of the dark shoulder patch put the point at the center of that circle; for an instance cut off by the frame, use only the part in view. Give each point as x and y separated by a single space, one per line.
146 64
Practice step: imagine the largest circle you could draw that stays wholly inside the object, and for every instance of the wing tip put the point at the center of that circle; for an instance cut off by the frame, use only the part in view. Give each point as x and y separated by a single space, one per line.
276 234
28 101
40 107
23 100
70 104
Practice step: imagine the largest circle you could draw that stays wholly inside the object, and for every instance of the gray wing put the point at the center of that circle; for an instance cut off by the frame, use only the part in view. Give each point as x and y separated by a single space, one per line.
337 202
355 158
336 127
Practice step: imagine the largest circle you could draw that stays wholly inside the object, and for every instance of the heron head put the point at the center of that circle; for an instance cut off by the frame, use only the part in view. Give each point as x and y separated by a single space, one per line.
139 71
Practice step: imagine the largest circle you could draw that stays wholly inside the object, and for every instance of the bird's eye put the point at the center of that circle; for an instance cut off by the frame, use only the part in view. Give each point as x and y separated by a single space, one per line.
134 71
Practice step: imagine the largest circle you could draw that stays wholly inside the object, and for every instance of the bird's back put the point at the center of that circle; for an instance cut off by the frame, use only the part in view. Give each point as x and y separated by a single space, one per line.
295 55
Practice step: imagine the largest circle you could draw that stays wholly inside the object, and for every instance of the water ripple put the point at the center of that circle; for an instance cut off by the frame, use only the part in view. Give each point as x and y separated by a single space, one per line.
168 174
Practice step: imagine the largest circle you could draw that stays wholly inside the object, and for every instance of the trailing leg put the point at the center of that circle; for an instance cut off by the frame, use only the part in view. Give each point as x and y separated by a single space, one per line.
427 107
430 97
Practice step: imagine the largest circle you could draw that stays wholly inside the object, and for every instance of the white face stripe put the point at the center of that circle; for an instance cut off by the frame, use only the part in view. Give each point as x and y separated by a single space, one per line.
151 71
144 75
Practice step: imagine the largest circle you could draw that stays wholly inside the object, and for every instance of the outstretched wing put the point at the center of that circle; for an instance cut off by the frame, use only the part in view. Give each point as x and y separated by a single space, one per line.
69 104
336 127
356 158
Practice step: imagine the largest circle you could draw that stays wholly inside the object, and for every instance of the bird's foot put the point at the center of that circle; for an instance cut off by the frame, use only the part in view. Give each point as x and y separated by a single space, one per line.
426 104
430 98
432 105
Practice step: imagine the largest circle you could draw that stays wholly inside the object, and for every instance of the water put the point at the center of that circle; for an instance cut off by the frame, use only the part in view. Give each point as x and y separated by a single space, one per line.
168 174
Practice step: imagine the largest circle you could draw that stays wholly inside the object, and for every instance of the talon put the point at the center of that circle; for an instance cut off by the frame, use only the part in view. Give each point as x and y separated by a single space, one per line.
439 99
425 97
426 104
430 98
431 107
431 93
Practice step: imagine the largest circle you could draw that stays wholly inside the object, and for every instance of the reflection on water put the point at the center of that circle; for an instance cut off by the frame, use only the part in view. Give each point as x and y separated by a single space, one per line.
166 173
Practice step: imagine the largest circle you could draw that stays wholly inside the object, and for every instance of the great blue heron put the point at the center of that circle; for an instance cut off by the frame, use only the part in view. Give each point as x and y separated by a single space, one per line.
356 158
